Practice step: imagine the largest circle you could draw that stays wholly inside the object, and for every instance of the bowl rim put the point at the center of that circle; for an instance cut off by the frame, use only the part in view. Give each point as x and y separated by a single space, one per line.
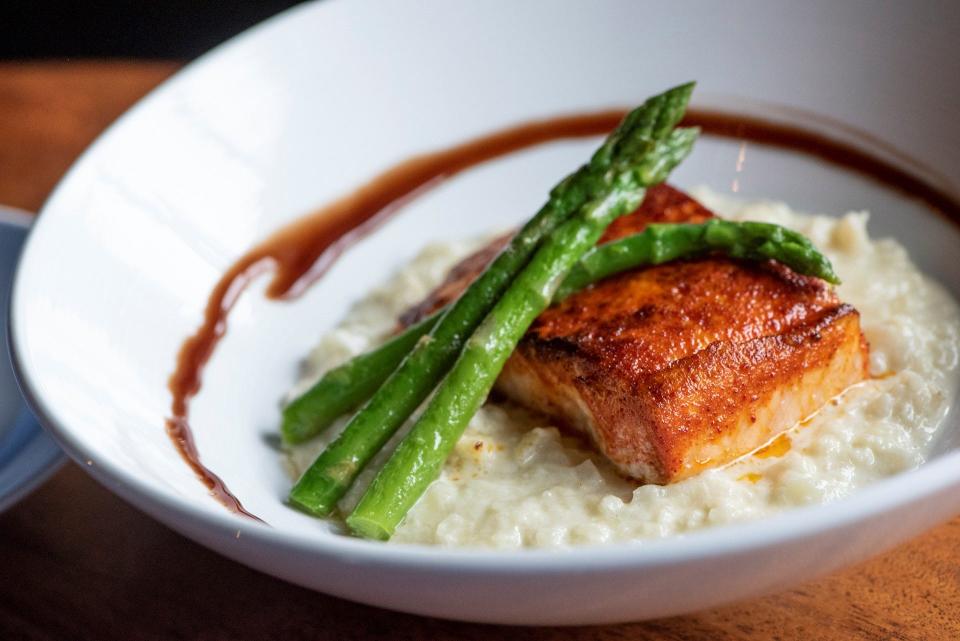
936 475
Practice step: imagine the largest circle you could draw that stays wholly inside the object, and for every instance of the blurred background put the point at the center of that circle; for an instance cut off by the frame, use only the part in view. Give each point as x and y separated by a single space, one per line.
159 29
69 68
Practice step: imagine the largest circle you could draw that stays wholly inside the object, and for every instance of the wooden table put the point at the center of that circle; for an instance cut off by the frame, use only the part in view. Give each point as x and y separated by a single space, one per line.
78 563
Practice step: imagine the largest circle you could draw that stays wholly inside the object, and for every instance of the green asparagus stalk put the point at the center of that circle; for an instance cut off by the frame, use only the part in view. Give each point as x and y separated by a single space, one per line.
344 388
759 241
347 386
417 460
610 173
664 242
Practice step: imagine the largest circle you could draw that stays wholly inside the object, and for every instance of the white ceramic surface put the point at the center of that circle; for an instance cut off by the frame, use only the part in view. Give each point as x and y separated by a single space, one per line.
309 105
27 454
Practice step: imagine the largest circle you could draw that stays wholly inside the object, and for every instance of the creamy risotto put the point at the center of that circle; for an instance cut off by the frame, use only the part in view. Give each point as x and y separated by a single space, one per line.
516 481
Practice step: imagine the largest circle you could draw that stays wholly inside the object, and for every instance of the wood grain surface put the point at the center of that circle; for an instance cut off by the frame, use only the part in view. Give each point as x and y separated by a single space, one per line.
78 563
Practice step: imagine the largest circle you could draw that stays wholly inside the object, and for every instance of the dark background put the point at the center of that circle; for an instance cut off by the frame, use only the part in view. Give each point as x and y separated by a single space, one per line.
171 29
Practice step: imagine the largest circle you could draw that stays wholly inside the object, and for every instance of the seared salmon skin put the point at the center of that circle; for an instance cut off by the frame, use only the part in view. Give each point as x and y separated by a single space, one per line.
684 366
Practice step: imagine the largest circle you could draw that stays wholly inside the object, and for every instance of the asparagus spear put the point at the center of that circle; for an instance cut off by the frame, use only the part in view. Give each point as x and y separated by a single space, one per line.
758 241
663 242
418 459
345 387
611 172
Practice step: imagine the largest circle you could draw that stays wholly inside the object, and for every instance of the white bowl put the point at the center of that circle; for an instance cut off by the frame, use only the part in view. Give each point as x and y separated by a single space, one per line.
305 107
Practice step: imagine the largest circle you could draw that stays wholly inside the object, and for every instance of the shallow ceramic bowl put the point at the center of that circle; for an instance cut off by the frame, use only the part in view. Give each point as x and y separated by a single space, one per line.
300 110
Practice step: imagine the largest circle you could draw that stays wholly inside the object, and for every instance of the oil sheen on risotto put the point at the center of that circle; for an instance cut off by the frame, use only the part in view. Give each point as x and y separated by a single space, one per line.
514 480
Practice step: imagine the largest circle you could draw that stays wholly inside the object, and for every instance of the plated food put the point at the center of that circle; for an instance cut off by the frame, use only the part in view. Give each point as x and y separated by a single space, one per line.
676 347
684 366
137 252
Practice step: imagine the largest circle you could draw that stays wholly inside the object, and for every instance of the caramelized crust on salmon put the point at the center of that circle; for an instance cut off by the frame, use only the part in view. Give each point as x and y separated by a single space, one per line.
683 366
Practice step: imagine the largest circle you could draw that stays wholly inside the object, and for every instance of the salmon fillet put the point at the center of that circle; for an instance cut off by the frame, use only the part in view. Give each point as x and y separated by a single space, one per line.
676 368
